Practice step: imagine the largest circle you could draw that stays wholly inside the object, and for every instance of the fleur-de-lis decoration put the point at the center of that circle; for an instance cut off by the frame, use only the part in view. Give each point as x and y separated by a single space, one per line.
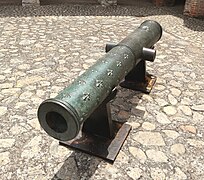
146 28
86 97
126 56
99 83
104 61
119 64
81 82
110 72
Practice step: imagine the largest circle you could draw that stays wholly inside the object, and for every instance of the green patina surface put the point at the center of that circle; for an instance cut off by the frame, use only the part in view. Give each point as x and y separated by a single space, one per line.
90 89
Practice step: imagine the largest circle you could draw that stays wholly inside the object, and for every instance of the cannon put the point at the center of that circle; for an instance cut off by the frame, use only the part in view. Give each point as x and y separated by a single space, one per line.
79 116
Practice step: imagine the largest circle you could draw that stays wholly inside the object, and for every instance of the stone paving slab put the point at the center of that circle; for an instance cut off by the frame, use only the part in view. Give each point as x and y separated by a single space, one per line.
42 49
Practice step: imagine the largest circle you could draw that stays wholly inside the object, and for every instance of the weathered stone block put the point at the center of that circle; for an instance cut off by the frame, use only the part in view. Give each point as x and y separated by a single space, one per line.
30 2
108 2
194 8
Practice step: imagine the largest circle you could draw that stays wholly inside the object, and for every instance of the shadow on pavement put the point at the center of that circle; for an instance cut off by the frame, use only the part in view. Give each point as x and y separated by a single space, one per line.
141 9
194 24
81 165
78 166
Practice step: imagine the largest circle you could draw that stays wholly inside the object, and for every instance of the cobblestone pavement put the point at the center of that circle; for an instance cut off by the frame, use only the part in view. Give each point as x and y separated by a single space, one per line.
42 49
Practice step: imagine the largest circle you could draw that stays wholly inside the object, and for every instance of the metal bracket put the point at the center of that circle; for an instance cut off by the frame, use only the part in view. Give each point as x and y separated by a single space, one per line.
101 136
138 79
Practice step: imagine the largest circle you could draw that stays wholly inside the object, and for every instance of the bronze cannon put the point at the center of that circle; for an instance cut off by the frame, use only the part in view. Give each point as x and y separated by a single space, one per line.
84 101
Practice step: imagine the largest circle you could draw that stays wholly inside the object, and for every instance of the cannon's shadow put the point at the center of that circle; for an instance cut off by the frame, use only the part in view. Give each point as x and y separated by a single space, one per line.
140 9
125 105
80 165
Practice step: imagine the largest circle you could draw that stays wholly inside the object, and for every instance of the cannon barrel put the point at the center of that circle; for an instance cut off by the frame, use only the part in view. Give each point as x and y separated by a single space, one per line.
62 117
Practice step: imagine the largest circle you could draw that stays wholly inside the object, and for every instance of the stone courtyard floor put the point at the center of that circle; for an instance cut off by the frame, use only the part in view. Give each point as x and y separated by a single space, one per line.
42 49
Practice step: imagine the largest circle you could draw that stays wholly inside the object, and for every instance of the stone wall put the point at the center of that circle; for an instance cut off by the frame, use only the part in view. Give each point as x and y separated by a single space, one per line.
194 8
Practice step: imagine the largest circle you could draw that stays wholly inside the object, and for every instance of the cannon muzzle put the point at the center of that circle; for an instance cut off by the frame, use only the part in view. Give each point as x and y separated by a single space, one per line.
63 116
